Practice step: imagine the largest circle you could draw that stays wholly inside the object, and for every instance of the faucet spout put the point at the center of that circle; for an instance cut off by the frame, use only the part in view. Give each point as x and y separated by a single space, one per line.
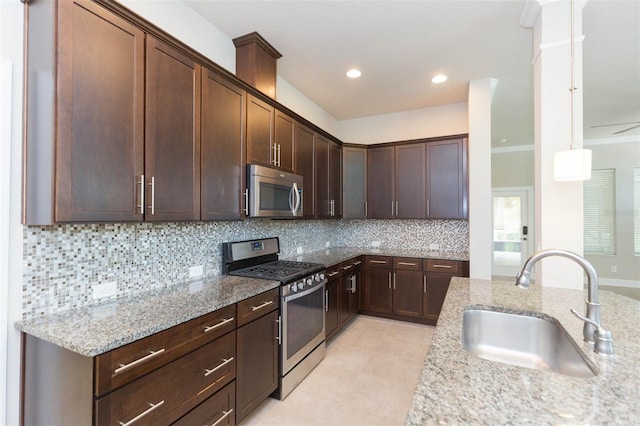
523 280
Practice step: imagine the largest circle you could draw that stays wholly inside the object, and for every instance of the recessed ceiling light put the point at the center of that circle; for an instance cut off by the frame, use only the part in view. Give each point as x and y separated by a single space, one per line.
440 78
354 73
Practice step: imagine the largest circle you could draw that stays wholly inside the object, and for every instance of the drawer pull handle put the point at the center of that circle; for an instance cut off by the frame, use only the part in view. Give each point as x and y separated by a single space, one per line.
220 324
378 261
406 264
344 268
124 367
357 262
224 362
262 305
332 274
141 415
225 414
443 266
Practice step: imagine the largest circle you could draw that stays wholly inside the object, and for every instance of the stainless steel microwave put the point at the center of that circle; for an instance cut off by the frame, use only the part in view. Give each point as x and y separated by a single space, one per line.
273 193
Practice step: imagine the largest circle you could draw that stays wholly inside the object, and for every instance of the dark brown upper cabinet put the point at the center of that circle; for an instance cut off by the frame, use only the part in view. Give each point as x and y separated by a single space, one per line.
409 181
305 166
328 178
380 183
446 183
270 135
84 146
172 136
222 152
354 182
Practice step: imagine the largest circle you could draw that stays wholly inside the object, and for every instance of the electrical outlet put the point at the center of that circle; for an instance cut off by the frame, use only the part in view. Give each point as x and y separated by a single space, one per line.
101 291
375 243
327 244
299 250
614 268
196 271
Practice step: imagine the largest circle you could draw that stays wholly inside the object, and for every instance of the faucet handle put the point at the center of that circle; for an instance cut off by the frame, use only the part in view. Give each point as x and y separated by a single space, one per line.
603 342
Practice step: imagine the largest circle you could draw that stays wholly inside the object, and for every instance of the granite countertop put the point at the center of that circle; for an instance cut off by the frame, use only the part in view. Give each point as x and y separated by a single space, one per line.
335 255
458 388
99 328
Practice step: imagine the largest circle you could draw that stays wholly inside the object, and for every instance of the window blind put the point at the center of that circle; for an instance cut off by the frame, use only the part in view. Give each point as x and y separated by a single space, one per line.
599 212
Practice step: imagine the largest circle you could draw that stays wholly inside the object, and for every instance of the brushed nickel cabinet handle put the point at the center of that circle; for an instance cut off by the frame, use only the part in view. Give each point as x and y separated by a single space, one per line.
394 280
144 413
220 324
424 280
357 262
331 274
384 262
262 305
406 264
275 155
225 414
141 205
224 362
326 300
443 266
397 208
138 361
246 202
344 268
389 280
153 195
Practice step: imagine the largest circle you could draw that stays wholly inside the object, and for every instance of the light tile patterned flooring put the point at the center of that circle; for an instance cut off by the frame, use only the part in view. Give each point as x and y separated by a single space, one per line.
367 378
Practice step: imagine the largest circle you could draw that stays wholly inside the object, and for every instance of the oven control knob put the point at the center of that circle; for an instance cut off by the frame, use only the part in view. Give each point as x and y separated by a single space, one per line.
319 277
309 281
293 287
300 285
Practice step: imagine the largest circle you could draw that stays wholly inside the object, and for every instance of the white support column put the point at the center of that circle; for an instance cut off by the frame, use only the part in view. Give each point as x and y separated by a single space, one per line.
480 211
558 205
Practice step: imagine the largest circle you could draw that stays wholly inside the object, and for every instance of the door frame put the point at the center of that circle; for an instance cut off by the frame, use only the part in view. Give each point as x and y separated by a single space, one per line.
528 192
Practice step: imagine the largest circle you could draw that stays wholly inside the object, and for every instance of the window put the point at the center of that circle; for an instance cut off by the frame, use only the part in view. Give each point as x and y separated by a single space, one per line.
636 211
599 212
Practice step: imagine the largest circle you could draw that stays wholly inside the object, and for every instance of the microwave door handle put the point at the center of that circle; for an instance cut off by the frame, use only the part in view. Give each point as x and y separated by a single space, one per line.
292 198
298 199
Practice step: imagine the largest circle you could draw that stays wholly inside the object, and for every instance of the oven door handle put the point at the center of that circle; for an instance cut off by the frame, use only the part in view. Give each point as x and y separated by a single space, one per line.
294 296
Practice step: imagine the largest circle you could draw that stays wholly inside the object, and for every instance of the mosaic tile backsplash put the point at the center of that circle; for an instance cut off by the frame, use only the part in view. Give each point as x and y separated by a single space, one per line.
62 263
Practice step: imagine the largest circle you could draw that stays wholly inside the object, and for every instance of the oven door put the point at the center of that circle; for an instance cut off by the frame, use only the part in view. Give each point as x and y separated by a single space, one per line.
303 325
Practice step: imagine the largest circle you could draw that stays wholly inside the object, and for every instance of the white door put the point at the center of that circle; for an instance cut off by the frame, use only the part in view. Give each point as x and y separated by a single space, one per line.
512 233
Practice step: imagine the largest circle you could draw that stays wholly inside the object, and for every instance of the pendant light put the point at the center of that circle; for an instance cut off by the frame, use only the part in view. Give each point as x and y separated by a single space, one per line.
573 164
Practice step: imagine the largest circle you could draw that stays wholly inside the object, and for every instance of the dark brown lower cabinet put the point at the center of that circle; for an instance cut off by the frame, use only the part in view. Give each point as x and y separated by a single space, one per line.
407 293
332 317
218 410
435 288
377 294
257 367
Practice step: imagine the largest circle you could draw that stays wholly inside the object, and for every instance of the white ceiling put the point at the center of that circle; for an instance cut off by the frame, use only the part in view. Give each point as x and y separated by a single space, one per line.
400 45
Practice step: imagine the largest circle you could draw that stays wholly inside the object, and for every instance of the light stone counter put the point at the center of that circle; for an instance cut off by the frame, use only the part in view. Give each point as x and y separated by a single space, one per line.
336 255
99 328
458 388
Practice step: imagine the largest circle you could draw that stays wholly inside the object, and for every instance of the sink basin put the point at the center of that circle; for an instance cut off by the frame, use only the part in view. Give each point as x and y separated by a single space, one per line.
537 342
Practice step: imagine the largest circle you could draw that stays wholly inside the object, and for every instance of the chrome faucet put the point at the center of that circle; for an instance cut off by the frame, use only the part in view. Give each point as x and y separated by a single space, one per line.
592 331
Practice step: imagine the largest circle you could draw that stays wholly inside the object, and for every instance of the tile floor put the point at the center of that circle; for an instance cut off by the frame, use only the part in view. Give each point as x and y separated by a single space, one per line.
367 378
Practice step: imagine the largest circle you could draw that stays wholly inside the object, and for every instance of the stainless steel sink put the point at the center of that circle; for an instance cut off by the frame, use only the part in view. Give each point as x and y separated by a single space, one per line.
523 340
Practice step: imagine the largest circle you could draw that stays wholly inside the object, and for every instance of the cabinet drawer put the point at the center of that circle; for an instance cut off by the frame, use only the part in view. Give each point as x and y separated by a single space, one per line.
166 394
218 410
256 306
351 264
446 266
379 262
125 364
334 271
407 263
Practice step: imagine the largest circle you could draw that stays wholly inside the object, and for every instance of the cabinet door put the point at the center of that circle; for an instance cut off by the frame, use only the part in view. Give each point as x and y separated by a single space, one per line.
354 302
335 179
446 181
285 129
435 288
409 181
260 132
345 298
172 134
380 183
377 292
332 318
304 166
100 107
257 367
407 293
223 144
322 177
354 185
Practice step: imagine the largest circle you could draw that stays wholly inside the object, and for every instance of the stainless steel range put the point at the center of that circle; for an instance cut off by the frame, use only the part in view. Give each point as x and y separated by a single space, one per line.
302 304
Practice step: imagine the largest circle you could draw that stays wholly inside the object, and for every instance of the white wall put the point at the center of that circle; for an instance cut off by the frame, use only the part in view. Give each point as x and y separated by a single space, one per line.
415 124
293 99
11 45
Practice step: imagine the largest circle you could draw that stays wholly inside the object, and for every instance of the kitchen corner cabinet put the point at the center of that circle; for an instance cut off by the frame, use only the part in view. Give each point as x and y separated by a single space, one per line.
437 275
446 181
354 183
270 135
331 301
342 294
223 148
304 165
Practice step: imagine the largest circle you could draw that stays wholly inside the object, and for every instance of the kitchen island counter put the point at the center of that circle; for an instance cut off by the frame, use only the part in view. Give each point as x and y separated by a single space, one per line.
458 388
99 328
